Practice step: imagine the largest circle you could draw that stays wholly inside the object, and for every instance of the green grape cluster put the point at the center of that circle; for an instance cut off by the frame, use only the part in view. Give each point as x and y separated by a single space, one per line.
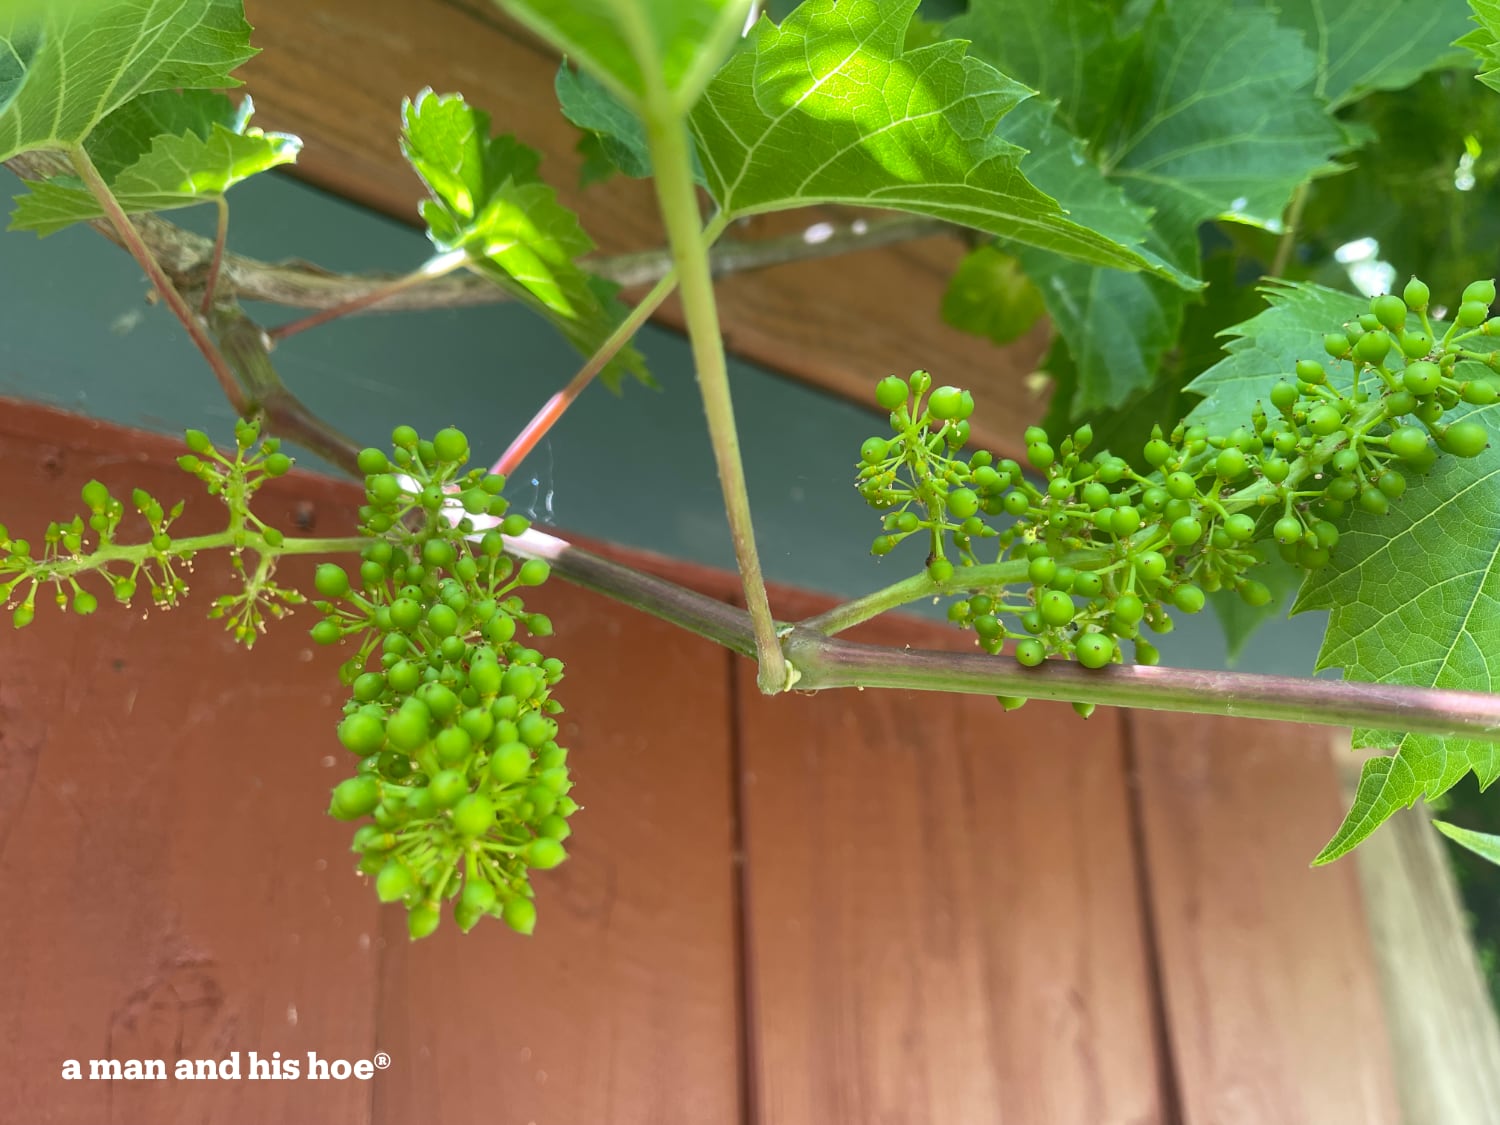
460 773
1095 553
91 546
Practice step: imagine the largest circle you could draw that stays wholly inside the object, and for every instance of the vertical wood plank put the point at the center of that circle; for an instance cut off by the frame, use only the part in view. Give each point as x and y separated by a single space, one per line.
173 887
1272 998
943 917
623 1007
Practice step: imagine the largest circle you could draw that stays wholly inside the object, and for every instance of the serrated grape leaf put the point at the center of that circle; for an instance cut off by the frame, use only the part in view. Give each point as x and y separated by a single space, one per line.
829 108
990 296
65 65
1366 45
1195 112
488 200
620 136
1481 844
159 152
644 51
1267 347
1484 40
1413 596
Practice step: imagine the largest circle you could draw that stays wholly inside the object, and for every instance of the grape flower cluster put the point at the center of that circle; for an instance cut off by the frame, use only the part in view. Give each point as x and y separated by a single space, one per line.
459 767
1095 552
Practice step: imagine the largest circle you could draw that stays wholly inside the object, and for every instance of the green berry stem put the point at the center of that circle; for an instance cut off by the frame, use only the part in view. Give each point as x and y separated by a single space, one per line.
667 138
826 662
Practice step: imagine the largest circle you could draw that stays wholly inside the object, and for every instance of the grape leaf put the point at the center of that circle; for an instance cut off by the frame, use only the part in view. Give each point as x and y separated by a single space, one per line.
829 108
990 296
1484 40
1367 45
1196 112
1413 596
487 200
1481 844
1267 347
621 136
644 51
158 152
67 64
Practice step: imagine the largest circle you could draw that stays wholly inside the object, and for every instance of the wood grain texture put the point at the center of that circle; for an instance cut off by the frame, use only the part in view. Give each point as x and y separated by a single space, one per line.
943 917
334 72
1442 1020
1272 997
162 812
174 888
623 1007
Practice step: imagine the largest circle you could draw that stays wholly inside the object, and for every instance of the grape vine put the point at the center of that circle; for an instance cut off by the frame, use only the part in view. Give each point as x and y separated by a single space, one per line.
1106 550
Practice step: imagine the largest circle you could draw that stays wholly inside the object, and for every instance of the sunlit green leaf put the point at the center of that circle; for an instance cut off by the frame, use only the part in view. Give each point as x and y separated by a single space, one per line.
159 152
829 108
620 136
68 64
1484 40
488 200
642 50
1482 844
1413 596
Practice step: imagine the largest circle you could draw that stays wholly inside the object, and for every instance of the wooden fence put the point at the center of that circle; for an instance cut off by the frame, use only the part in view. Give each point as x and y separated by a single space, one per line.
810 910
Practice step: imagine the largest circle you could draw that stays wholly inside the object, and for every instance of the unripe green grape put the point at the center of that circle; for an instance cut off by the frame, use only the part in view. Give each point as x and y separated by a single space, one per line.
1016 503
422 920
544 853
1374 501
1311 371
882 545
84 603
1400 403
451 446
1129 608
519 914
1324 419
945 403
1429 411
1471 314
1480 291
1230 464
1311 557
1414 345
354 797
962 502
1390 310
1254 593
404 677
873 451
1421 377
1326 534
474 815
919 382
394 881
535 729
447 786
940 571
533 572
987 626
1336 344
1241 527
1151 565
1465 439
1126 522
1288 530
1041 455
326 633
453 746
277 464
372 461
1392 483
1479 392
1084 710
1030 652
1095 495
331 581
1185 531
1372 348
1416 295
891 392
1188 598
1156 452
1284 395
1041 570
1088 584
408 727
510 762
1060 488
1407 442
1094 650
1056 608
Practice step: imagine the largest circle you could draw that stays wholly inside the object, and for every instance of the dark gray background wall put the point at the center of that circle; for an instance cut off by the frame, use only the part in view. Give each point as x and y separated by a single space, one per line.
635 469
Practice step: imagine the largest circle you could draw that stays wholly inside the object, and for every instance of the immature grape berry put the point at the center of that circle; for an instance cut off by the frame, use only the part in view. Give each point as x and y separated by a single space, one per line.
1372 348
1390 310
451 445
1094 650
1311 371
891 392
1188 598
1030 652
1056 608
1408 443
1471 314
1465 439
1416 295
1421 377
372 461
945 403
1481 291
1336 344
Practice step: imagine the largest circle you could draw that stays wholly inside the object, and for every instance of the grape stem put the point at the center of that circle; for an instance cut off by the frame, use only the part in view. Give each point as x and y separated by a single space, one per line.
667 138
822 662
